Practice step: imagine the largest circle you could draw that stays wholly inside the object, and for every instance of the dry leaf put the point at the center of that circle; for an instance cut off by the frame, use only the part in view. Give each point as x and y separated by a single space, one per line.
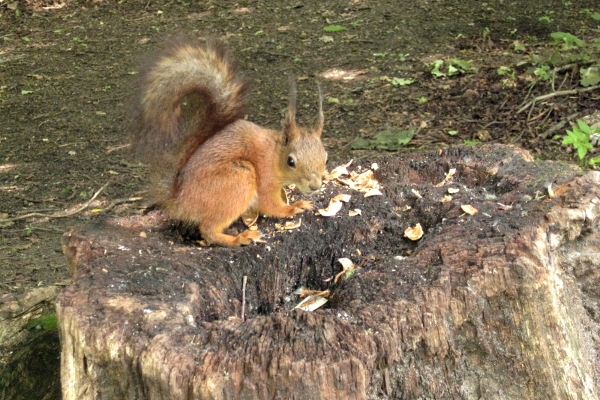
292 224
308 292
469 209
448 177
332 209
373 192
347 265
342 197
414 233
337 172
143 234
311 303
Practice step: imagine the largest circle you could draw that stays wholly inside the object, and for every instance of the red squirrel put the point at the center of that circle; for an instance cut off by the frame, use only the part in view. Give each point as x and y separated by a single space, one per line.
209 164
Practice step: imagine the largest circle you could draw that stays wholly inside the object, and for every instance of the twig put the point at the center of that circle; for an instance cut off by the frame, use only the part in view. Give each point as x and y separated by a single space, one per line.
555 94
244 297
559 125
62 214
116 202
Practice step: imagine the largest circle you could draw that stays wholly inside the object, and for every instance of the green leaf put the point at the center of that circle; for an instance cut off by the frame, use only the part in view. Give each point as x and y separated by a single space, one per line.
596 16
462 64
24 92
567 38
45 322
334 28
504 71
579 138
452 70
593 161
569 139
589 76
401 81
452 133
583 149
385 140
360 144
435 70
471 142
585 128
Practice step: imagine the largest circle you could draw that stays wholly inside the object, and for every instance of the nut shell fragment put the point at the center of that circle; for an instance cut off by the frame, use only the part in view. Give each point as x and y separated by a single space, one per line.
414 233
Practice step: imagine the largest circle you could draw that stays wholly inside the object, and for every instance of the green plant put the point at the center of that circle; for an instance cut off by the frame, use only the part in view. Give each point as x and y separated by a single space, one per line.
454 66
334 28
581 140
400 81
568 40
390 140
509 73
568 51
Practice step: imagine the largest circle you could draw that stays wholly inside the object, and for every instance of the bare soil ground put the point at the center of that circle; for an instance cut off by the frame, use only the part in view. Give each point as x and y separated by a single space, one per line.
66 68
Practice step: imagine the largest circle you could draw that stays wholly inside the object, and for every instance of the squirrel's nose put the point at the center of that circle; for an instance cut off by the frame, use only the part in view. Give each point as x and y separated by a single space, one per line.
314 185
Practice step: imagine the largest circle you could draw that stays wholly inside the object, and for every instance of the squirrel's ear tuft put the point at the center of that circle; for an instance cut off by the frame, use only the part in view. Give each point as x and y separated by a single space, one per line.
318 128
289 124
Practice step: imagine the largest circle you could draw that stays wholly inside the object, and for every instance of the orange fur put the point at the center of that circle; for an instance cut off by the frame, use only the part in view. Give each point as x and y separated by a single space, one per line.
214 166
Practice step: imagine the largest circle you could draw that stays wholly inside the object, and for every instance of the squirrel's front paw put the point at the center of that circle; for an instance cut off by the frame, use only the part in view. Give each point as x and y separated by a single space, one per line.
248 237
302 205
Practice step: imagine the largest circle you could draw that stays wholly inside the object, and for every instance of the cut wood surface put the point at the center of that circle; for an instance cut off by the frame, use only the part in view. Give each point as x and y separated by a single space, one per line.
501 304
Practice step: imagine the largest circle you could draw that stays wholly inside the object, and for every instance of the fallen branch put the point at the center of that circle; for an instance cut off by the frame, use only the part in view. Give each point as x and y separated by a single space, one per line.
559 125
116 202
555 94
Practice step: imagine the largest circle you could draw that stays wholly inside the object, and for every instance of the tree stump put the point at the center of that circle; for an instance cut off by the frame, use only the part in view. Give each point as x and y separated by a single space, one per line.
502 304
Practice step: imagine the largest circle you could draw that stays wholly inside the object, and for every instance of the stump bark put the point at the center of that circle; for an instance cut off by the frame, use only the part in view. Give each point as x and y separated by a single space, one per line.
503 304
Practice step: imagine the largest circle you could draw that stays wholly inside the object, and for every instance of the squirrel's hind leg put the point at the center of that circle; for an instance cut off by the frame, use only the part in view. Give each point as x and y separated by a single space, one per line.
223 239
226 196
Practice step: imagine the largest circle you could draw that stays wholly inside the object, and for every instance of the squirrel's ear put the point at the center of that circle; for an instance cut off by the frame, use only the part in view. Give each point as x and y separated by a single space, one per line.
320 118
289 124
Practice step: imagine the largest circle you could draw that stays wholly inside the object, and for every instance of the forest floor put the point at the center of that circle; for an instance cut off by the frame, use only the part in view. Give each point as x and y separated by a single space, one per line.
66 69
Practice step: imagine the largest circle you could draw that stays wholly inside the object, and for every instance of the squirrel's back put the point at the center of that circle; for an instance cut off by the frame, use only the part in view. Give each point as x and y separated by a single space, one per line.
201 76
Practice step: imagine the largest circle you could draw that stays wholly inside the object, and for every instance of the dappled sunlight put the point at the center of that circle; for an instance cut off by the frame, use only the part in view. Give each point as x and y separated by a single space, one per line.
337 74
37 5
7 167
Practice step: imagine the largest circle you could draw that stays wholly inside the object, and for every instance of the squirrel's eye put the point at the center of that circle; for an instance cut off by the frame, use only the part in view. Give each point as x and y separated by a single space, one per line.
291 162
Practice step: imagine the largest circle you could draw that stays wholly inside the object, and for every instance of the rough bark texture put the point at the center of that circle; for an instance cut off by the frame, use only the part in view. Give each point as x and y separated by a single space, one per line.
499 305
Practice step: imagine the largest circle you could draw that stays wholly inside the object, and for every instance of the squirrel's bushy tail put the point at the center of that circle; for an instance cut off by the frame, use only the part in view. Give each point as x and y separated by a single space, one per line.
188 92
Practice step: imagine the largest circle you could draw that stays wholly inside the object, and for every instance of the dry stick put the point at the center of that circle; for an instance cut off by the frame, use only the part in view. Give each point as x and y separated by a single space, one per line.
244 297
559 125
555 94
116 202
59 214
